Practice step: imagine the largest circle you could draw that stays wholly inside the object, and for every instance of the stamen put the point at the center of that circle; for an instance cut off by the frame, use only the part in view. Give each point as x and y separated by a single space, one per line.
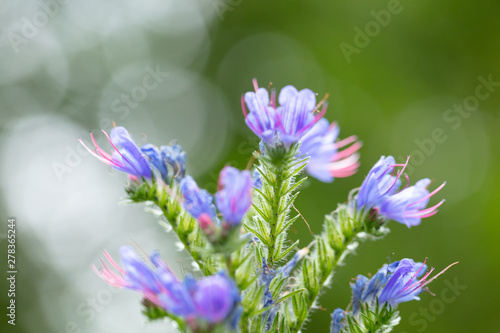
435 276
255 85
243 105
429 195
112 262
346 141
316 108
273 98
347 152
100 158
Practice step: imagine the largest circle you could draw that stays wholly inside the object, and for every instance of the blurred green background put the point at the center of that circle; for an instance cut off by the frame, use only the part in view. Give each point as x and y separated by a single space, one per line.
407 77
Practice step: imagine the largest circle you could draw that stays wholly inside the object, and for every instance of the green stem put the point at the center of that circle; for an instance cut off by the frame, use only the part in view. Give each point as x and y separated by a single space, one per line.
275 215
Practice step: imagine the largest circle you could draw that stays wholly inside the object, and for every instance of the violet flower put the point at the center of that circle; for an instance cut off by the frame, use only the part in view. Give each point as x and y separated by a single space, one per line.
262 117
378 184
289 122
295 114
234 196
408 206
213 299
196 200
126 156
169 161
325 161
337 324
379 193
403 285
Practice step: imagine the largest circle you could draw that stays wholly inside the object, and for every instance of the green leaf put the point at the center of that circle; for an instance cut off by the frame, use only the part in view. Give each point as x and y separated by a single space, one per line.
263 238
288 224
287 251
297 291
264 216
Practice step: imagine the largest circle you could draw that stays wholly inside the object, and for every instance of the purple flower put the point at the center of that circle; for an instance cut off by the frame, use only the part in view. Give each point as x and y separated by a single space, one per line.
288 267
169 161
337 321
378 184
262 117
196 201
408 206
295 114
173 156
358 287
126 156
215 297
403 285
379 192
212 299
256 179
375 285
234 196
135 274
325 161
289 122
153 156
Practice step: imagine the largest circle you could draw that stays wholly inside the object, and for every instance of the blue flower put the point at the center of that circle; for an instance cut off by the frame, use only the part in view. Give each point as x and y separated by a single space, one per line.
375 285
325 161
403 285
153 156
408 206
262 117
215 297
175 157
196 201
234 196
295 114
212 299
288 267
378 184
337 324
126 156
288 122
379 192
257 181
169 161
358 287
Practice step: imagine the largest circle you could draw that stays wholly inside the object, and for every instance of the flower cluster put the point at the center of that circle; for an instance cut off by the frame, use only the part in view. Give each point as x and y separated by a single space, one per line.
213 299
395 283
237 237
379 195
299 119
166 163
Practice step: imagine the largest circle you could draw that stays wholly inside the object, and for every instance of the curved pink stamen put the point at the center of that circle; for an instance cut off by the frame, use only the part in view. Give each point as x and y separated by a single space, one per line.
112 262
243 106
99 150
347 152
422 212
255 85
273 99
346 141
106 161
429 195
